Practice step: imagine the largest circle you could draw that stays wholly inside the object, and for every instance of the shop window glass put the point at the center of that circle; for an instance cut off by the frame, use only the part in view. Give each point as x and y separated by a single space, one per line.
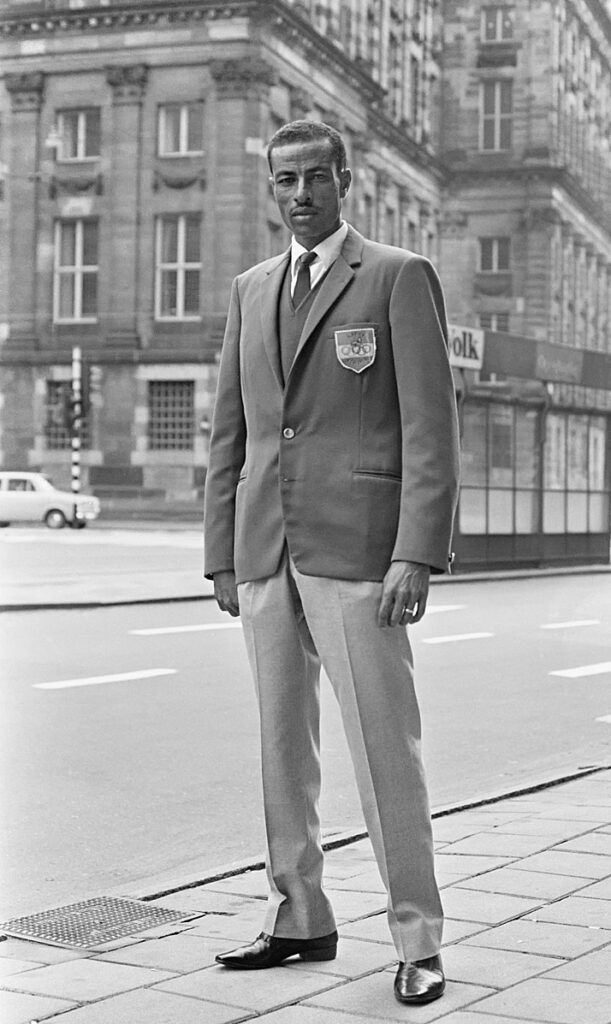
474 445
527 511
500 511
501 446
555 452
554 520
577 512
577 451
596 454
472 510
598 513
527 449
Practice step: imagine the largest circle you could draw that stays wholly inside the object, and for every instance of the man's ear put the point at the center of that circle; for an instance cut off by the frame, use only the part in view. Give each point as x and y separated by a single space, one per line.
345 178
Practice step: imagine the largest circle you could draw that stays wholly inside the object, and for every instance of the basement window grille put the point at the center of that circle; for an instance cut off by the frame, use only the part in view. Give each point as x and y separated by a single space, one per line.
171 423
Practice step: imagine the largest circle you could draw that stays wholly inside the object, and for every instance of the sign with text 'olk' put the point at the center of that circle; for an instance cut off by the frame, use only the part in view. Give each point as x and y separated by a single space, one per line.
466 346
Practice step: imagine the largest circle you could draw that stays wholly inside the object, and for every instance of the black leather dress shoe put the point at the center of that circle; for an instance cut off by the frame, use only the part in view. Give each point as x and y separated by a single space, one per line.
269 951
420 982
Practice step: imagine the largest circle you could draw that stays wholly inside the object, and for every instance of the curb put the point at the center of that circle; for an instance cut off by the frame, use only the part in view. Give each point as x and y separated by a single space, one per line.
354 835
475 577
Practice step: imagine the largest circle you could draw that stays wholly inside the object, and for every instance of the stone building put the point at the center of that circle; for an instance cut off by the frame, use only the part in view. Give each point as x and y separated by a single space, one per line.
526 253
135 187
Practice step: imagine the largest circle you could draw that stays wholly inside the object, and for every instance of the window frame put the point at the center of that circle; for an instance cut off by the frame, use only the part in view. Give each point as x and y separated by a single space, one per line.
180 266
499 10
497 117
495 268
81 135
494 317
183 107
77 270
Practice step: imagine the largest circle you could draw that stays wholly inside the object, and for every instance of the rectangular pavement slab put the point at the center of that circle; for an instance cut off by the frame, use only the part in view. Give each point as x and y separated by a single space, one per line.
559 1002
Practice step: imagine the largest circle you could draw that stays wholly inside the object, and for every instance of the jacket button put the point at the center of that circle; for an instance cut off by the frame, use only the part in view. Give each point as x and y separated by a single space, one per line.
288 432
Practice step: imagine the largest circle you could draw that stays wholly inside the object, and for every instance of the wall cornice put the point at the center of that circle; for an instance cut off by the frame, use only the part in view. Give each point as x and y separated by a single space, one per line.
551 175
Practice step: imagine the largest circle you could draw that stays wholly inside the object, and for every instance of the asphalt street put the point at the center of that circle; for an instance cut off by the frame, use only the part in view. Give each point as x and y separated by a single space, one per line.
129 735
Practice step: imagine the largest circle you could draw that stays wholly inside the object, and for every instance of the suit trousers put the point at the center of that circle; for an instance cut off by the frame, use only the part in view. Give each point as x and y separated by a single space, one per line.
293 624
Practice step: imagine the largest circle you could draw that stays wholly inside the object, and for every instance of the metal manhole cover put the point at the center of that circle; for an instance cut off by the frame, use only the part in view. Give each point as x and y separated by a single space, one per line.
91 922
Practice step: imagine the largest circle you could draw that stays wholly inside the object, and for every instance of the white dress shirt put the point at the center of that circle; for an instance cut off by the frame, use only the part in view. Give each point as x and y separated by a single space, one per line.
326 251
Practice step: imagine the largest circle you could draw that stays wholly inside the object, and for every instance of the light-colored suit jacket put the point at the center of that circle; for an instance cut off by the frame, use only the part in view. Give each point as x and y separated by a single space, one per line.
353 461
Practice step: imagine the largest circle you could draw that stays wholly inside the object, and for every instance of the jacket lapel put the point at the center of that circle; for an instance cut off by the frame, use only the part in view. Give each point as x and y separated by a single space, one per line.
332 286
270 294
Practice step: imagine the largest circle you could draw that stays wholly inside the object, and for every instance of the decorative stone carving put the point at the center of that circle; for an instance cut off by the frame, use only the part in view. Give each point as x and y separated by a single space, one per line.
301 103
237 79
128 82
160 178
71 186
25 90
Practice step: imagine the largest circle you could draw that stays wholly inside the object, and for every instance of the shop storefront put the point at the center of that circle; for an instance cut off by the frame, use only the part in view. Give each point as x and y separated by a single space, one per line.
535 460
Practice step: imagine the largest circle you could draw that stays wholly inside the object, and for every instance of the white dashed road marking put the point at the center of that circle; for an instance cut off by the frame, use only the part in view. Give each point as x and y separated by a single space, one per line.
120 677
570 625
198 628
584 670
431 609
456 637
604 718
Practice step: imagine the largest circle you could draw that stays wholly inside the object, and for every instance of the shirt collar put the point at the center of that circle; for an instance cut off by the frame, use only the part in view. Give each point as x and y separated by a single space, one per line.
326 251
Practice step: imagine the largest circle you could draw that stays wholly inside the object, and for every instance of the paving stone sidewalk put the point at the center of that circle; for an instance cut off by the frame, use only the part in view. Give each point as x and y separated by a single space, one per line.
526 884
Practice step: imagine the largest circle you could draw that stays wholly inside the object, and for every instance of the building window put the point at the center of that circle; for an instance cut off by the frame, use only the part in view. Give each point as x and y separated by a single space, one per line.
494 255
178 266
58 406
497 24
76 271
171 420
79 132
181 129
496 115
494 321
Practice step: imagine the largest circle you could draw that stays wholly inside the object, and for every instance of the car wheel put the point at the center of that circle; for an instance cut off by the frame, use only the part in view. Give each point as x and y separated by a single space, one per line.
55 519
4 524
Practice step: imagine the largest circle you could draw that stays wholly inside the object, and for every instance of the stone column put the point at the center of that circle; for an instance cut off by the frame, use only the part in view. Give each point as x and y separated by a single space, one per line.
26 92
128 84
567 286
241 172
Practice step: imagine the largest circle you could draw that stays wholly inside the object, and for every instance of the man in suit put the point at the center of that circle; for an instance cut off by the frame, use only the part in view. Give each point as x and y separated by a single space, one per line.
330 497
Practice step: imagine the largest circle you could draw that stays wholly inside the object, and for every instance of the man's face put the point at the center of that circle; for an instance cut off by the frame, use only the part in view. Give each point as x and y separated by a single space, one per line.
309 189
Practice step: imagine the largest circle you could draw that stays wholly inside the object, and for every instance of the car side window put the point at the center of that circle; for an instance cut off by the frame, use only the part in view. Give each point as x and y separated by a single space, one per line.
20 485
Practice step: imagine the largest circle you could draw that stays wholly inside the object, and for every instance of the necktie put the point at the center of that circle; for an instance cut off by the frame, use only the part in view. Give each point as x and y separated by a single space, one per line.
303 284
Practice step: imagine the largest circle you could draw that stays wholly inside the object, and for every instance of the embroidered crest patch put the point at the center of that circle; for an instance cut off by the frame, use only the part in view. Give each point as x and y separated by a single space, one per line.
356 348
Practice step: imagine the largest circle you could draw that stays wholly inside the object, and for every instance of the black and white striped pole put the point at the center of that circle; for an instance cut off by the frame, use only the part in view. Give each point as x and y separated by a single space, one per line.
77 417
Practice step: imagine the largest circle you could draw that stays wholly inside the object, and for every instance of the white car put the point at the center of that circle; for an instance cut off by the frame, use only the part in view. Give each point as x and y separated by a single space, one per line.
31 497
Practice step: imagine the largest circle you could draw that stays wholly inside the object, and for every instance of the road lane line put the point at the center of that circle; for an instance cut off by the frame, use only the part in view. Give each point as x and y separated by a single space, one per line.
431 609
185 629
455 637
119 677
568 625
584 670
604 718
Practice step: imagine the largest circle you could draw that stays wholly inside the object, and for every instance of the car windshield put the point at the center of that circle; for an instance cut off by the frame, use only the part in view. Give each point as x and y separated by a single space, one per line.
44 484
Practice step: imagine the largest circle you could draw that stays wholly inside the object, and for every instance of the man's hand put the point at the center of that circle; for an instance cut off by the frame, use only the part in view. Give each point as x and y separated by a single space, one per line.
404 593
226 592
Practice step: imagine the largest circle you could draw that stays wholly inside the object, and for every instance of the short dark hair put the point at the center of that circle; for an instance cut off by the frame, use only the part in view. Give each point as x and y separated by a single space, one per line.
309 131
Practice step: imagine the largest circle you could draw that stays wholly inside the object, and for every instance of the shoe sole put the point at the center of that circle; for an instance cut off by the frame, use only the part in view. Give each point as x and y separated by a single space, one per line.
326 953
